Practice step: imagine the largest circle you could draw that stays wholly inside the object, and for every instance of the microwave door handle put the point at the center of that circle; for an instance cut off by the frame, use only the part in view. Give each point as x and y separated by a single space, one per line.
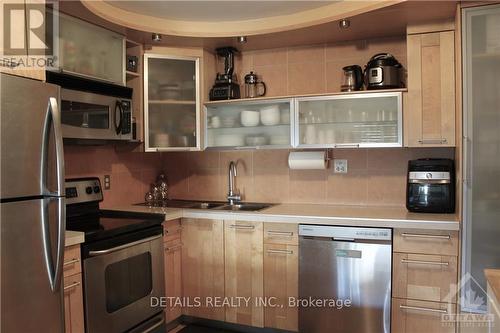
118 127
52 121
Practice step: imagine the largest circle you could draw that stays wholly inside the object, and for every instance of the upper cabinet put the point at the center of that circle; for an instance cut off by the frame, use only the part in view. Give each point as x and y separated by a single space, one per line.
350 120
250 124
91 51
430 108
171 102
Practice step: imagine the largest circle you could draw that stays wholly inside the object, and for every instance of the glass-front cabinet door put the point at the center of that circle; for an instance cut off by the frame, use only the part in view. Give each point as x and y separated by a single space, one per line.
349 121
171 103
249 124
90 51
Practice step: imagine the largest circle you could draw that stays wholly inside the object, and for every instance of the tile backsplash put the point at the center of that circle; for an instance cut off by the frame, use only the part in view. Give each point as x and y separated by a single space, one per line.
131 173
374 177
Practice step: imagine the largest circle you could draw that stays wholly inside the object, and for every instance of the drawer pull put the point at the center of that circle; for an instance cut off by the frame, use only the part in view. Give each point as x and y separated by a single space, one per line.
71 286
173 248
418 308
407 261
71 262
280 251
177 230
245 227
280 233
404 234
433 141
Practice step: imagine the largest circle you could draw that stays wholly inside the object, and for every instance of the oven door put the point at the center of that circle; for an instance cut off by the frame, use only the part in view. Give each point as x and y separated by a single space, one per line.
86 115
119 283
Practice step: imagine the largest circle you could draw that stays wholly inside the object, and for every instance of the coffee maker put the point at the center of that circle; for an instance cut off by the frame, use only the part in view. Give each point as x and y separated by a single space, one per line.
226 85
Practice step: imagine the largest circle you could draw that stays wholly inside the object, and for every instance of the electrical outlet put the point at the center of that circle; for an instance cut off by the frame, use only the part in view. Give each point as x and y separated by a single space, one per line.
107 182
340 166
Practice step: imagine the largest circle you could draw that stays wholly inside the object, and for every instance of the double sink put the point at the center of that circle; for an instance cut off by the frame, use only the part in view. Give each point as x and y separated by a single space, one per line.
213 205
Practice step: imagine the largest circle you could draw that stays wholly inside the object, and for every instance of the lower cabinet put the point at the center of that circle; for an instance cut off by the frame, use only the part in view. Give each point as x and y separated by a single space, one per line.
243 272
73 304
173 278
410 316
203 265
281 281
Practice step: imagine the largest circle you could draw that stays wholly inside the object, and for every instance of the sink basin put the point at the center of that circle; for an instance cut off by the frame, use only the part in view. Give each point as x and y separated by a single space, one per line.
205 205
248 207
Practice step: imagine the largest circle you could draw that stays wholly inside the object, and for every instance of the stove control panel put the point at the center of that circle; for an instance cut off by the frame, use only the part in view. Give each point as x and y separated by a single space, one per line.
82 190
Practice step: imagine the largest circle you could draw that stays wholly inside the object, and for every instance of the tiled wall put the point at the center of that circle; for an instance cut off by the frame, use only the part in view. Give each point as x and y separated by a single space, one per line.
131 173
375 176
311 69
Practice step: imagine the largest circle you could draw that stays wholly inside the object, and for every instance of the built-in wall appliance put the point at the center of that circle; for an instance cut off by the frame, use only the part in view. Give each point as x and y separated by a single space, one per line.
122 262
480 247
430 186
352 267
93 110
32 207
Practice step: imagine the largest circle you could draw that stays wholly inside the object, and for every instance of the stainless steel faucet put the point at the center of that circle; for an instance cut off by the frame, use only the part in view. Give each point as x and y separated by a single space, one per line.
233 195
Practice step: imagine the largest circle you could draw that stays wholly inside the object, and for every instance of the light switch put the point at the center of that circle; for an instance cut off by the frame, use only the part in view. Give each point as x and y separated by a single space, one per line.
340 166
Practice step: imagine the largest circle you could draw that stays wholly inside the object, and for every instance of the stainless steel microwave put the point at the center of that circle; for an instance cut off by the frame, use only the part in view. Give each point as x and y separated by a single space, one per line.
91 116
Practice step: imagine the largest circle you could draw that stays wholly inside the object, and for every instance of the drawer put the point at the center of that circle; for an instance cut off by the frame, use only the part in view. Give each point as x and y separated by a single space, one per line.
426 241
73 304
425 277
409 316
172 230
72 263
281 233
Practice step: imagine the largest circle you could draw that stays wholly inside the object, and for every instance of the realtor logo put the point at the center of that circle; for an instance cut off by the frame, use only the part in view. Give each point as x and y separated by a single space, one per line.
31 29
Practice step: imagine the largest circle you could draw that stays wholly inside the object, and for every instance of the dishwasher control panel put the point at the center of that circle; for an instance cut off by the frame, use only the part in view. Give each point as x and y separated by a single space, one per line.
345 233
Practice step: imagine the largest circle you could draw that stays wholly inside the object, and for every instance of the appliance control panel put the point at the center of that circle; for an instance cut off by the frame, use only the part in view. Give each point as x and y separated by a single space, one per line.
83 190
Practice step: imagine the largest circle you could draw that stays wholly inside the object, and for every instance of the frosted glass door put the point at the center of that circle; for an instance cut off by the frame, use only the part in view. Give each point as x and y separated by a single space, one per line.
89 50
481 243
263 124
355 120
171 103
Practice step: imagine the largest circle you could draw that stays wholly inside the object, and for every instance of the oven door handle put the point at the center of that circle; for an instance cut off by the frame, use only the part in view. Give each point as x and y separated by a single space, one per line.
121 247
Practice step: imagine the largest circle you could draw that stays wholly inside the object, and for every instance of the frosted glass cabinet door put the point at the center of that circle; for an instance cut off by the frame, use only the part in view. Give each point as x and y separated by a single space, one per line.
354 120
249 124
171 103
89 50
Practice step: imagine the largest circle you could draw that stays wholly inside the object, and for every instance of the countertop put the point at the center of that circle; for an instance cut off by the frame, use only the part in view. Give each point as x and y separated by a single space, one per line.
390 217
74 237
493 278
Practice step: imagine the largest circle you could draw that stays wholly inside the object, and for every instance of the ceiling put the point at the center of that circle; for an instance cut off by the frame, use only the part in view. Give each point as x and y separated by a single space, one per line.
217 11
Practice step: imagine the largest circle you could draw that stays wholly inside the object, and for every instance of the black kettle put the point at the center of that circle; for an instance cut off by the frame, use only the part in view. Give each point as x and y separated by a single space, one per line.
352 79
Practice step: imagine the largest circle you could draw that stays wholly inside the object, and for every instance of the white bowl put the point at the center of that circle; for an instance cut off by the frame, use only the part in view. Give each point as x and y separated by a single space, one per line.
270 115
229 140
256 140
228 121
249 118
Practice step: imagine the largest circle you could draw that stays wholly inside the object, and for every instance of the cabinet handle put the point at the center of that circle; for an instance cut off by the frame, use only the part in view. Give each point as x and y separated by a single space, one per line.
173 248
404 234
245 227
346 145
280 233
432 141
173 231
71 286
407 261
418 308
280 251
71 262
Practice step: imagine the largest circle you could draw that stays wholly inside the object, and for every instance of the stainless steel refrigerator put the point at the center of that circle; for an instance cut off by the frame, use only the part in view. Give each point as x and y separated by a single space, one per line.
32 207
481 118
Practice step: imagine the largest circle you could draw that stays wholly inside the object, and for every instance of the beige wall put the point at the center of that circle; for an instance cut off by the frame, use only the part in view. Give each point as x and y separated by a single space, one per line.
375 176
131 173
311 69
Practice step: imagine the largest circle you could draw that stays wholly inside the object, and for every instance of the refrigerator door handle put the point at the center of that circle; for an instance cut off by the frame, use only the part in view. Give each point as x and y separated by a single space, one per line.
61 236
53 119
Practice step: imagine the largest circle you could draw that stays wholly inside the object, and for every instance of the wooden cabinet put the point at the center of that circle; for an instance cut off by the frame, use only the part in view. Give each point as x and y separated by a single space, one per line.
172 230
438 242
173 278
243 272
73 292
20 63
203 265
429 113
281 233
410 316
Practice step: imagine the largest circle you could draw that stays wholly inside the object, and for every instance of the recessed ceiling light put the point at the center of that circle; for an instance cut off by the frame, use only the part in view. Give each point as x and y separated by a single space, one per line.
242 39
344 24
156 37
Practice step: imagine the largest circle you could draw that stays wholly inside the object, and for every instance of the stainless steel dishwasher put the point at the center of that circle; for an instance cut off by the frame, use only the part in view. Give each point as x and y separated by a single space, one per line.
342 265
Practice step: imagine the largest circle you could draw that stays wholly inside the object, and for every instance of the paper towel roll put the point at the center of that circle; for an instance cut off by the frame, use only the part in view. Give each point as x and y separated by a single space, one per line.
307 160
